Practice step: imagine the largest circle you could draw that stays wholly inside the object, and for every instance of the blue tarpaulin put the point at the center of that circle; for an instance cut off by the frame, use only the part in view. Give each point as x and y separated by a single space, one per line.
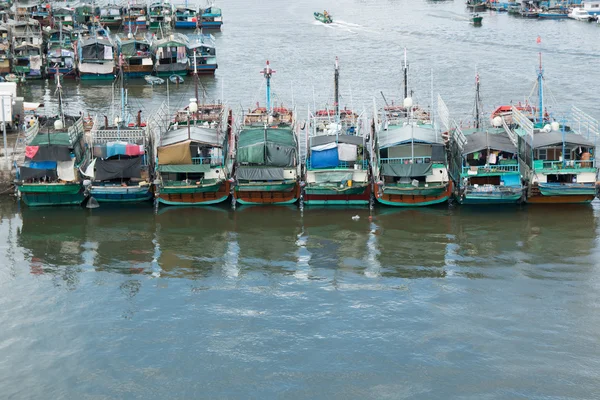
42 164
325 158
116 148
511 180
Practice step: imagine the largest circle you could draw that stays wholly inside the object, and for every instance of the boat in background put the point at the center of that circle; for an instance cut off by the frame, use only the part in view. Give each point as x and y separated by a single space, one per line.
135 18
110 16
160 15
49 177
476 19
135 48
187 17
84 13
27 48
63 15
580 14
120 170
170 54
95 55
483 161
195 155
557 155
410 167
202 54
476 5
211 18
154 80
592 7
323 17
267 166
337 161
5 52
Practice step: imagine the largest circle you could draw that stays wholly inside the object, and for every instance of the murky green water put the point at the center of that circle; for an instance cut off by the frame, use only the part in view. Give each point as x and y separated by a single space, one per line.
123 303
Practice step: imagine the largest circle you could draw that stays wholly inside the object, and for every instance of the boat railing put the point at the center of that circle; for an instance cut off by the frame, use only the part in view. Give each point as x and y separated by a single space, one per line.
359 165
407 160
564 165
486 169
215 160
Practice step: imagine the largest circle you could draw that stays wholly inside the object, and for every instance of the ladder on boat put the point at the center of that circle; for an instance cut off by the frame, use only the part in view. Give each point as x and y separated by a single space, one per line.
584 124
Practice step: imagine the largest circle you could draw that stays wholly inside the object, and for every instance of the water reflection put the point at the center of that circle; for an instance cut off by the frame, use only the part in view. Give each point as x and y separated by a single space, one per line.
317 244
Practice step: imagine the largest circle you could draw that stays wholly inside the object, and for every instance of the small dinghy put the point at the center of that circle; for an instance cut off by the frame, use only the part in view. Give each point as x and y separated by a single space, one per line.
176 79
13 78
154 80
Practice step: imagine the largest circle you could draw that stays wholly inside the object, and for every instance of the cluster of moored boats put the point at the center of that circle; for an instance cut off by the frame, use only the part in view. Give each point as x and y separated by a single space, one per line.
581 10
400 155
41 39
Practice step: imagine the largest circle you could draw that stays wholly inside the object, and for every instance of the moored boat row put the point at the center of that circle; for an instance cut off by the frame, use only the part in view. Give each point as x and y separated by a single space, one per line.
405 155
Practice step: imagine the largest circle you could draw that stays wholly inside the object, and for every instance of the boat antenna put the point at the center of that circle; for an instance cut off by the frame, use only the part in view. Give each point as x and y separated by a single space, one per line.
267 72
405 75
477 102
336 89
541 90
196 84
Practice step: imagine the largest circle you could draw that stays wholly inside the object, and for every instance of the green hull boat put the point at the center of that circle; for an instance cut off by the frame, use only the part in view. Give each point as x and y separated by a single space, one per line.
269 187
324 18
415 191
35 195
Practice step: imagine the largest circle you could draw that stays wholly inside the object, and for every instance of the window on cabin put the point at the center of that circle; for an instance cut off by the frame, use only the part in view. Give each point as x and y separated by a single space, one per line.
542 154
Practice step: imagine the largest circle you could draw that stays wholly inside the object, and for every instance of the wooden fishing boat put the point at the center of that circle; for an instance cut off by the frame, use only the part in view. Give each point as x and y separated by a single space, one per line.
110 16
137 58
5 52
476 5
96 55
202 54
160 15
135 18
323 17
410 167
557 154
122 162
187 17
49 177
211 18
170 54
484 163
27 51
194 155
267 167
337 162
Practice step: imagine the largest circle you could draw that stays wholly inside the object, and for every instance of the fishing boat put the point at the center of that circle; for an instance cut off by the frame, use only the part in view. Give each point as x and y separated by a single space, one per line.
138 60
154 80
160 15
49 177
135 17
41 13
63 15
120 170
5 52
484 163
194 156
27 50
95 55
187 17
476 19
476 5
267 166
557 155
323 17
202 54
557 12
170 54
84 13
110 16
60 51
337 162
410 166
211 18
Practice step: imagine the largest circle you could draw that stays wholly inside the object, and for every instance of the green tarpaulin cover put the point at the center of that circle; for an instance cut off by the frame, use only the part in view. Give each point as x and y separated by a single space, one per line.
406 170
279 149
189 168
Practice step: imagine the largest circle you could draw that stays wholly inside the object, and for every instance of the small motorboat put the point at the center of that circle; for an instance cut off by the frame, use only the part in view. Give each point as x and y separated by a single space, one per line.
154 80
580 14
176 79
14 78
324 17
476 19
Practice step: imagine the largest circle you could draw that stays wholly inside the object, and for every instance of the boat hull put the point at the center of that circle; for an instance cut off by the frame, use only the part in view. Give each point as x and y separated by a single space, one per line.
167 71
37 195
541 194
194 196
186 25
204 69
211 25
490 199
281 194
359 195
414 200
117 194
137 71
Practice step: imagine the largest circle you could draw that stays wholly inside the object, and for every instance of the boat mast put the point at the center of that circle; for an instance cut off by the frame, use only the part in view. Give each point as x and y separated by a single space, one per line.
541 91
60 104
336 90
267 73
196 87
477 101
405 75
